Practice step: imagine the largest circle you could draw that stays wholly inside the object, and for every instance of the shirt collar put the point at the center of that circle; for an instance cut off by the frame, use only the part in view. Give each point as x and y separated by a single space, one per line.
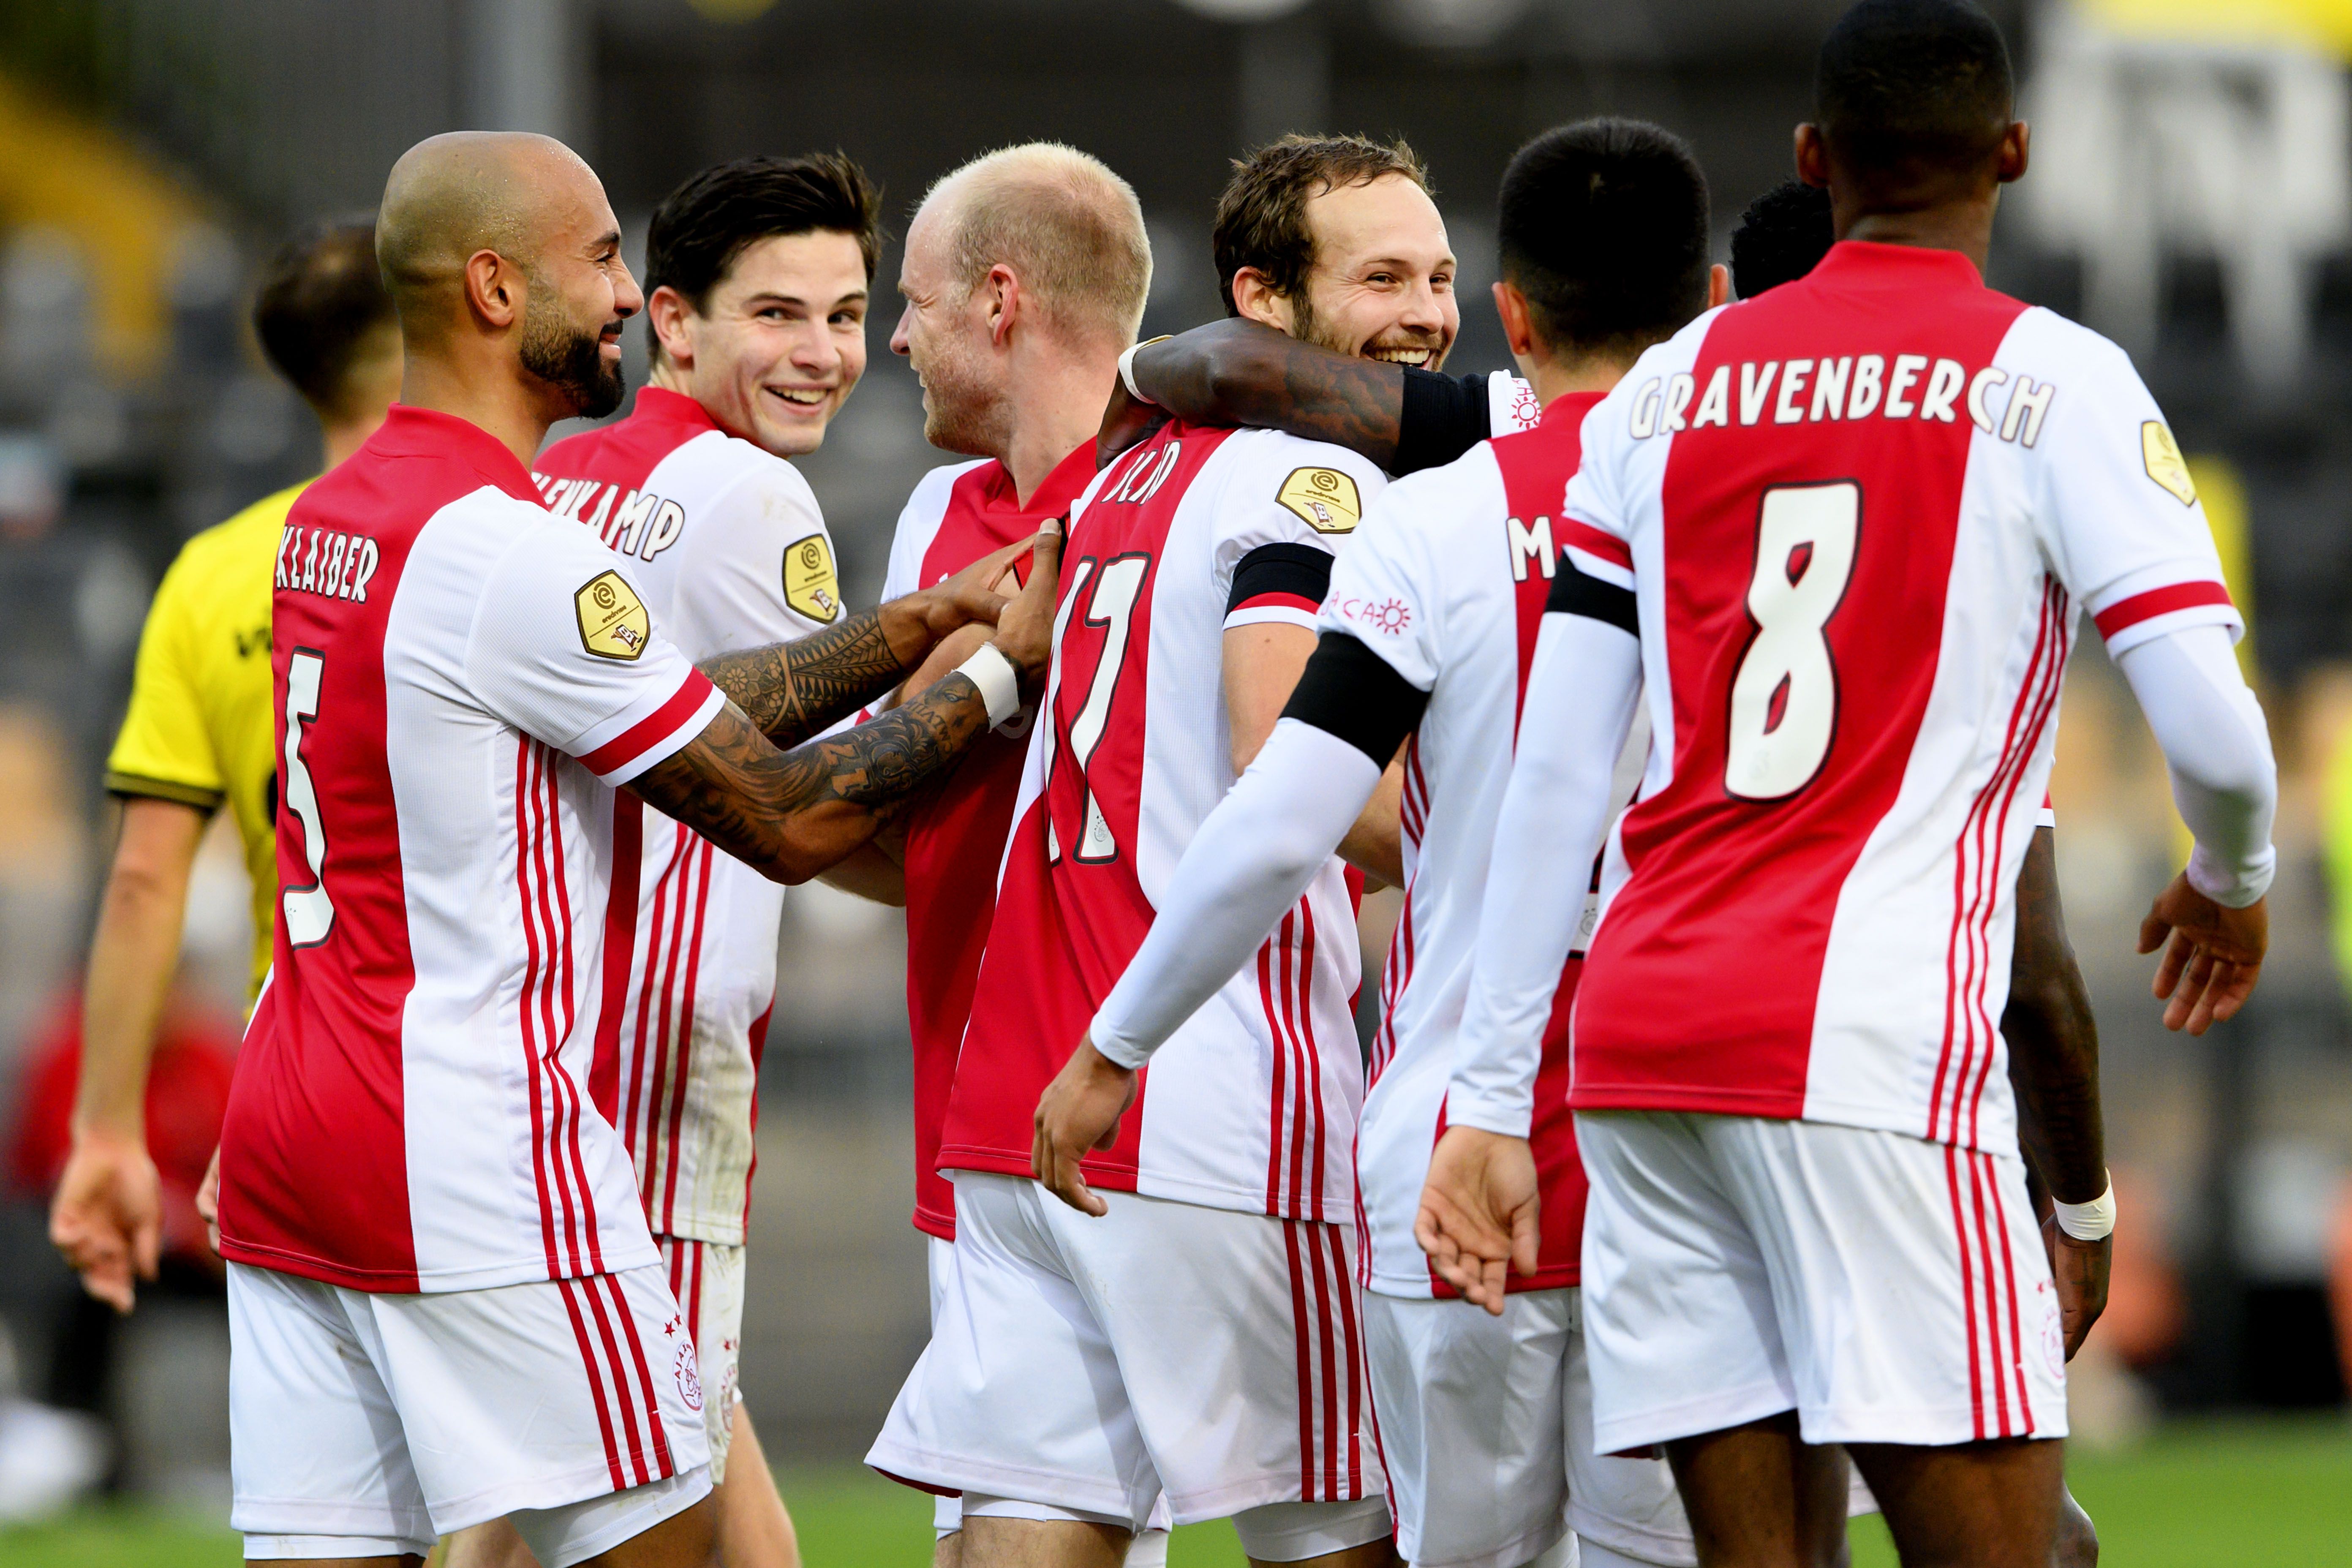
1060 488
409 431
1569 407
676 407
1869 264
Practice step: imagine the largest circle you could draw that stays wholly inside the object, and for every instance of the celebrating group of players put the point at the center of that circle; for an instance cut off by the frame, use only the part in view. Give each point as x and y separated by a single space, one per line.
1163 679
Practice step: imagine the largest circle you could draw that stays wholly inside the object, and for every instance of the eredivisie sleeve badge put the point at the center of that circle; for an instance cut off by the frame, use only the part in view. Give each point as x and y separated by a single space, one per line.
612 619
810 586
2161 456
1324 500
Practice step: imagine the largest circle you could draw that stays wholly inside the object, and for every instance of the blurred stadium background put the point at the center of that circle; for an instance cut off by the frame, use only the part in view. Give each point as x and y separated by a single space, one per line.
2191 196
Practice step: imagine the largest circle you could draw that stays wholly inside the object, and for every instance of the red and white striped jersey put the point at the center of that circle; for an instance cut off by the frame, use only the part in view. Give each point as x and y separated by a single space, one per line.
1859 514
956 830
1252 1104
726 540
464 682
1447 585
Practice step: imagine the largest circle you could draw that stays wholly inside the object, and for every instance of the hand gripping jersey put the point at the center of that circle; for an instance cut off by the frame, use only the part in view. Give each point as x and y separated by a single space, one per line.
1859 514
1252 1104
1447 586
726 542
465 683
199 730
956 829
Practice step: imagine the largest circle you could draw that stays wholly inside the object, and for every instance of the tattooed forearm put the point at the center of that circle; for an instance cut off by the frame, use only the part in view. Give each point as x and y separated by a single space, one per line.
791 815
2053 1039
795 690
1240 373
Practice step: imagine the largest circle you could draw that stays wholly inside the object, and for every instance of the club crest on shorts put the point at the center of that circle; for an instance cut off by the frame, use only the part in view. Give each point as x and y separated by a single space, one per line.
689 1377
1324 500
612 619
2162 455
810 586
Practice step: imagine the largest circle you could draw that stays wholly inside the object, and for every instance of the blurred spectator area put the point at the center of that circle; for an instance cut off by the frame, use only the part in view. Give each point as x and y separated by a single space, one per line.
2190 197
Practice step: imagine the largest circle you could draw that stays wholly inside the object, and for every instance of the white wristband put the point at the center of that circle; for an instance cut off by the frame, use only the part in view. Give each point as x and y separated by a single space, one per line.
1126 368
999 682
2093 1221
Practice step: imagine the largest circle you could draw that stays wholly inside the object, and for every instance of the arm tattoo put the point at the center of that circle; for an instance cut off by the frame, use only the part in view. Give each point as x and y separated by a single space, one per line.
794 690
2053 1039
1239 372
792 814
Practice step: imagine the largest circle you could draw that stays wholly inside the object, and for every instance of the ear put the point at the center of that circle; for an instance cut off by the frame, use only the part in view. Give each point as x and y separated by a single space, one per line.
1519 325
494 289
1812 156
1718 286
669 314
2016 144
1005 302
1255 299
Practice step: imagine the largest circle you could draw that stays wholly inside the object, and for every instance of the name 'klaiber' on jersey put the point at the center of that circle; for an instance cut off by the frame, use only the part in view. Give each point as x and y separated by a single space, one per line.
1859 514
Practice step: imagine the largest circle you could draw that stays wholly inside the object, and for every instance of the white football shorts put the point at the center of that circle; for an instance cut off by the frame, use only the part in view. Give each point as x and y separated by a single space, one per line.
364 1424
707 1278
1486 1427
1093 1365
1886 1288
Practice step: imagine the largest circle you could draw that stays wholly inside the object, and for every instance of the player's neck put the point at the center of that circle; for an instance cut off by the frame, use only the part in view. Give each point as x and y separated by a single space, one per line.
487 396
342 437
1557 378
1965 227
1057 408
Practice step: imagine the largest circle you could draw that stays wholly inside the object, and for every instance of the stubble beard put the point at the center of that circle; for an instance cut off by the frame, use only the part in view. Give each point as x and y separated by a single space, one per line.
572 362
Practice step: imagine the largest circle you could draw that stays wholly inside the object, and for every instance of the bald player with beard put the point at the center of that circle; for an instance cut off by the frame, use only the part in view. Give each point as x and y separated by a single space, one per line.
444 1303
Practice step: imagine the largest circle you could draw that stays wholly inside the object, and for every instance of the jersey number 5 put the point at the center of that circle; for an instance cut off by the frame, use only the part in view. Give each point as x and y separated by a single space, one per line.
1111 607
309 912
1784 698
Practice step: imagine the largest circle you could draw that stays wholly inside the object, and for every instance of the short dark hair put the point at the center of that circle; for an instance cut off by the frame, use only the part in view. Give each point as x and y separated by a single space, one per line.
320 302
1913 86
1782 236
1261 216
1602 226
703 225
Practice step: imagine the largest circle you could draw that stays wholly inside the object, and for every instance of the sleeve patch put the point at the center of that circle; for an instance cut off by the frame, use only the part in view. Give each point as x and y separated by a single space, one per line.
1296 575
811 585
613 620
2161 456
1575 592
1324 500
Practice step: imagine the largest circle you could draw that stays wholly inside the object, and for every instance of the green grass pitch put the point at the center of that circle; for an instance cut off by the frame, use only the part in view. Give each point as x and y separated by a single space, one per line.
2245 1492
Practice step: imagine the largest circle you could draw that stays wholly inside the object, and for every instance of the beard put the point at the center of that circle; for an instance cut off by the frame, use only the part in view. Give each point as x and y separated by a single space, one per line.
1309 328
571 362
959 407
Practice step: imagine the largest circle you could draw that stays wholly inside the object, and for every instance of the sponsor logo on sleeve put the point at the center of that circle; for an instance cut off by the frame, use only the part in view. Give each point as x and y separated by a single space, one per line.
1389 617
810 586
612 619
2161 456
1324 500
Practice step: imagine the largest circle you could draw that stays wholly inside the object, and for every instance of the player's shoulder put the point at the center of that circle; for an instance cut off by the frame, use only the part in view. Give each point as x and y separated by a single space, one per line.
2041 337
1325 486
248 539
1444 500
928 502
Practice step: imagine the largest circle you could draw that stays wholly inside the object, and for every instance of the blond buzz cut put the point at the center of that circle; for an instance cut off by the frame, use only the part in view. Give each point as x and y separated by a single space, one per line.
1069 229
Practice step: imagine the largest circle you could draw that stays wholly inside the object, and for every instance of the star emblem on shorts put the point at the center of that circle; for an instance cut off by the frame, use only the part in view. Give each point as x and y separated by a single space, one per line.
669 1330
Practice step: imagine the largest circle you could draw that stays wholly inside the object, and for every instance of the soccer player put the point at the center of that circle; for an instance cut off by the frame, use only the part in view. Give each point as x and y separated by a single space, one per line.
757 274
198 736
445 1305
1025 274
1838 536
1186 1325
1484 1422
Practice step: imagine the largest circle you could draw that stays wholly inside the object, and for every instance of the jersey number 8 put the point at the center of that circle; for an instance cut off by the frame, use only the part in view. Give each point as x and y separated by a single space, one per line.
1784 698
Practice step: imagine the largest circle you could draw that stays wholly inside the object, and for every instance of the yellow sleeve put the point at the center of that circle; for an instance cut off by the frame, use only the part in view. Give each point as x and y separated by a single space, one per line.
164 749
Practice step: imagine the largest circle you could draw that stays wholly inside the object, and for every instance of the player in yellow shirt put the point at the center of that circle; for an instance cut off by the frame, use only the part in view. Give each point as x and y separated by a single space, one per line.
200 734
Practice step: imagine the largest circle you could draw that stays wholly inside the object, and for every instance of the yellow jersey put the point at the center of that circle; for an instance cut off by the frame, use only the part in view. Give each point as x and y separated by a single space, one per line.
201 730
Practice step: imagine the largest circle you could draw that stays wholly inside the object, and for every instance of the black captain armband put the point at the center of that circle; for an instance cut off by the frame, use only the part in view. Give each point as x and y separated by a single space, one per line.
1295 576
1442 417
1575 593
1350 691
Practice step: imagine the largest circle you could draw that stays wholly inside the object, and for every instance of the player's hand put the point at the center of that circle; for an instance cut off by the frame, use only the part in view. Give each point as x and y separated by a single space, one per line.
2214 958
1479 1212
108 1215
2080 1269
1079 1111
208 1202
915 623
1024 632
1127 420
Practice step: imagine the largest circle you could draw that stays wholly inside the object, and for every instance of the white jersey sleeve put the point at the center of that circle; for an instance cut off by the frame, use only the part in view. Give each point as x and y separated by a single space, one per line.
1282 497
564 650
1512 404
1384 588
760 566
